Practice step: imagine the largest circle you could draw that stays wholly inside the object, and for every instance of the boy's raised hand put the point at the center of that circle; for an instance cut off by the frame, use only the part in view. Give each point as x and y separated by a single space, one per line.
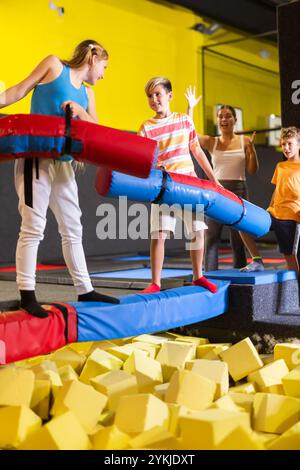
191 96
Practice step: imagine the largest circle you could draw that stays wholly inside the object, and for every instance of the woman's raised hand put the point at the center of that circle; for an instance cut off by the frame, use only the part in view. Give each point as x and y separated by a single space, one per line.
252 138
191 96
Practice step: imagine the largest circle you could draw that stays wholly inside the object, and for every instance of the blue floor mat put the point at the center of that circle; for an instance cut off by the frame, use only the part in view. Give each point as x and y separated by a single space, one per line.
138 314
256 278
142 273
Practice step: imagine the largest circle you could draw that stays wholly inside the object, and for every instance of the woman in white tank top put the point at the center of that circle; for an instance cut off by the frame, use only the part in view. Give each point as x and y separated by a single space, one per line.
231 156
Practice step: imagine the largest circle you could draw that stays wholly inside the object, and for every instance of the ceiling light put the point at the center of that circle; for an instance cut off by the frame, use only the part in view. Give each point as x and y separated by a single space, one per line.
264 54
211 29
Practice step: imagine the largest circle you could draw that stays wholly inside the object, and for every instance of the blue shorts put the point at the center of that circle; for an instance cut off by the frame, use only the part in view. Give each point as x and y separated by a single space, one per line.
285 231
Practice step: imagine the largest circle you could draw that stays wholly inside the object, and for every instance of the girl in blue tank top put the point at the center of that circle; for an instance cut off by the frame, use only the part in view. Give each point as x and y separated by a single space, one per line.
43 183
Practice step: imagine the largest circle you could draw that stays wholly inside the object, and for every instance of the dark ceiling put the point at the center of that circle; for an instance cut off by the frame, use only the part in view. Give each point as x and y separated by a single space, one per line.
251 16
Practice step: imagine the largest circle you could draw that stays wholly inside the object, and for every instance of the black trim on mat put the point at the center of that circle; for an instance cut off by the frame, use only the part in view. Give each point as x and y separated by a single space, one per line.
68 132
28 167
64 311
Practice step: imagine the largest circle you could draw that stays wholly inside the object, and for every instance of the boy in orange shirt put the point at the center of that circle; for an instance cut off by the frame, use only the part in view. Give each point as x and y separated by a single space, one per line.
285 203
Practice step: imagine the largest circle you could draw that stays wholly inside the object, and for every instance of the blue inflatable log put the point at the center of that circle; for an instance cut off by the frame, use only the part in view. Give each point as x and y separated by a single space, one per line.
189 192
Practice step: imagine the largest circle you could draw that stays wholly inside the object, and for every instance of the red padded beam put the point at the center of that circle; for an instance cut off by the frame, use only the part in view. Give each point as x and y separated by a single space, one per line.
26 336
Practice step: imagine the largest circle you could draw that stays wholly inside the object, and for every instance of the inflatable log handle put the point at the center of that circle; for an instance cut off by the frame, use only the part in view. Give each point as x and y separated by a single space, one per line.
68 132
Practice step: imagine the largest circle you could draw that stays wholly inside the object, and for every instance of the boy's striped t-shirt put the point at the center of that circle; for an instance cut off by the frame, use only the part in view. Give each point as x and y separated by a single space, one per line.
176 137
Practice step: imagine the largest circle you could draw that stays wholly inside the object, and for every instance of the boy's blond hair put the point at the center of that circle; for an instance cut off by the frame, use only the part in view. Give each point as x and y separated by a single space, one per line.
153 82
290 133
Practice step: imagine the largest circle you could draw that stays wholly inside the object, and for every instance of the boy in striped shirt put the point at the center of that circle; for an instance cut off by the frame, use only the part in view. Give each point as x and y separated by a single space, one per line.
176 137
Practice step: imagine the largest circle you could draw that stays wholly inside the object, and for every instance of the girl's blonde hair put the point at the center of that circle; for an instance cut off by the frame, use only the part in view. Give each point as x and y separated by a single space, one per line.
289 133
84 53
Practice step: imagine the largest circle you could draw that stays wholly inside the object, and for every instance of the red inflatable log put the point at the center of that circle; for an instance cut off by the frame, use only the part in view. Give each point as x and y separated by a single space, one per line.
32 135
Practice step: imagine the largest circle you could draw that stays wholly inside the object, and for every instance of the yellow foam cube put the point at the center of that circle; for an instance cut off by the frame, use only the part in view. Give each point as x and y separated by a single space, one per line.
16 386
176 353
67 373
120 341
125 351
40 400
189 364
148 371
104 345
107 418
290 352
270 374
159 390
204 349
176 412
16 423
275 413
67 356
241 438
63 432
275 389
81 348
267 358
41 366
114 384
291 383
155 438
226 403
243 388
110 438
95 429
192 339
138 413
173 356
191 390
217 371
265 437
54 378
214 354
242 359
99 362
150 349
152 339
85 402
206 429
289 440
243 400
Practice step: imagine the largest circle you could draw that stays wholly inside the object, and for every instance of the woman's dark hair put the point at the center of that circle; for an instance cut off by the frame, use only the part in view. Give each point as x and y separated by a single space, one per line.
227 106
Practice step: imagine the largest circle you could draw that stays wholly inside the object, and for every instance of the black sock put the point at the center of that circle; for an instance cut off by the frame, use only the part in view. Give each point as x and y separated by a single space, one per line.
94 296
31 305
258 259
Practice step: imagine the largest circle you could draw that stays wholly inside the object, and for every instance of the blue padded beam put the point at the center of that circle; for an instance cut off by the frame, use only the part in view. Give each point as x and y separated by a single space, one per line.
138 314
255 278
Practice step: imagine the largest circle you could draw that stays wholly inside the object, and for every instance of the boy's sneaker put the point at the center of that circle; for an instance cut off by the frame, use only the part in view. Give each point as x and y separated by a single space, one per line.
254 266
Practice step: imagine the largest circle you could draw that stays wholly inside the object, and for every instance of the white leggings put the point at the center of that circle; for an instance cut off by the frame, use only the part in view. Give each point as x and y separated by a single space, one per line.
39 184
